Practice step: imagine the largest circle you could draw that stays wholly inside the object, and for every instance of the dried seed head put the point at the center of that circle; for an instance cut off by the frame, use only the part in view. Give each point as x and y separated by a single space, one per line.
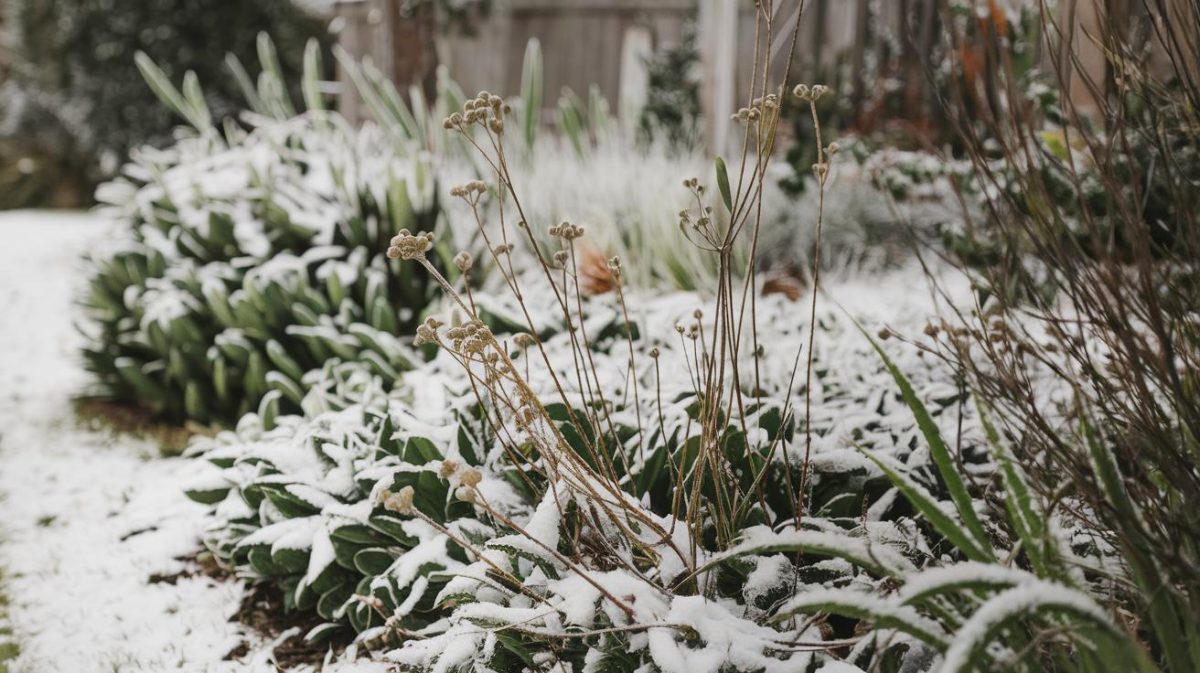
427 332
464 261
464 494
566 231
406 245
810 93
449 467
470 478
614 266
401 502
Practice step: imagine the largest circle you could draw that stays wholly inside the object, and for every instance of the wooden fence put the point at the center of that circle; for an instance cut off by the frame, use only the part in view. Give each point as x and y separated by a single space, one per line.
605 42
834 34
583 42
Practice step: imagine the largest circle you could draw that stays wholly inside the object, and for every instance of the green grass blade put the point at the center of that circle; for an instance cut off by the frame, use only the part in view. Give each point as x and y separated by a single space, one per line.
1006 611
876 559
1156 591
929 507
272 71
945 463
313 72
166 92
867 607
531 90
245 83
1026 520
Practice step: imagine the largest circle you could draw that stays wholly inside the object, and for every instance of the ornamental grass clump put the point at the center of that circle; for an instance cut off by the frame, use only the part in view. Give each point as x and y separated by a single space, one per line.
254 254
1084 346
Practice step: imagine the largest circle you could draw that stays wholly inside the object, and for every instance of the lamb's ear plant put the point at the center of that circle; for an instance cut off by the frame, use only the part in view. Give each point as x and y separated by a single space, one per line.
254 255
331 522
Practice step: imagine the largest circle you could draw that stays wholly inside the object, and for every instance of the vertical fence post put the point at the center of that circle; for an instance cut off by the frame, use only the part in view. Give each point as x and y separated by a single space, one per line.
858 59
717 29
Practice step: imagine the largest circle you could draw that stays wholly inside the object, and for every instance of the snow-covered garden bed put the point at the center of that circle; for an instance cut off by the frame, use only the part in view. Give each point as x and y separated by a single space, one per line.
100 540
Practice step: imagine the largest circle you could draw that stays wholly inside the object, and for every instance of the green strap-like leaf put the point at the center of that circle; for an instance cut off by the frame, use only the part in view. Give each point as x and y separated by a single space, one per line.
929 508
876 559
311 82
968 651
867 607
942 459
531 89
723 184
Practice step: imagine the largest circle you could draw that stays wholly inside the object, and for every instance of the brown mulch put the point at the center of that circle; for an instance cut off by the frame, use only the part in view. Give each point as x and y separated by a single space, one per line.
99 413
262 612
202 564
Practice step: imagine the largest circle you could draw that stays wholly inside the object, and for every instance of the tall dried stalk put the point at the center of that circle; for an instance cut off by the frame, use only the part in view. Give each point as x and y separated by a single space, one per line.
592 462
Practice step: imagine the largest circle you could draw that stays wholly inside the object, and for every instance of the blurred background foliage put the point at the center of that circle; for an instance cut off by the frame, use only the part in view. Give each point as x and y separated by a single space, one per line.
72 102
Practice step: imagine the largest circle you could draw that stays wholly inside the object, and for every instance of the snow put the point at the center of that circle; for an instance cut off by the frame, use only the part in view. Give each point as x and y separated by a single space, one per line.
961 576
88 518
761 540
1030 597
726 639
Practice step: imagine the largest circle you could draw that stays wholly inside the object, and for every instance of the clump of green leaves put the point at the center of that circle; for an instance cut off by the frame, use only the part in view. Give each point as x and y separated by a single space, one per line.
254 255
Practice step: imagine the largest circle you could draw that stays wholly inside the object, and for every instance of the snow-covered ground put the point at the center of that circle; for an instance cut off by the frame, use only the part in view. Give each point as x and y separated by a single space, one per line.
88 517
